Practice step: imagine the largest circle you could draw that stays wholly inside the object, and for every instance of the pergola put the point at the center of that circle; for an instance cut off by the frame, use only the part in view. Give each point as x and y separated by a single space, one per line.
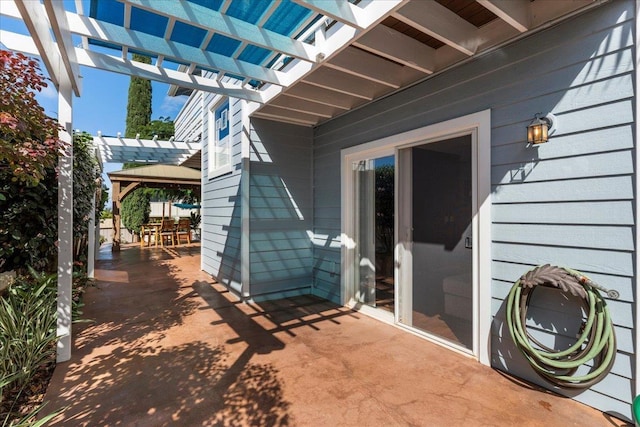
295 61
154 176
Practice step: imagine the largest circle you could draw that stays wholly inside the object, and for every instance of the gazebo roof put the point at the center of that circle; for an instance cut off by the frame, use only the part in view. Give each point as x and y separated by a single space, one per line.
160 174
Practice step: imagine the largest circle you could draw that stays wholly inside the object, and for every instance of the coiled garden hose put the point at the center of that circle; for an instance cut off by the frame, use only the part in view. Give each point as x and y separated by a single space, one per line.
596 340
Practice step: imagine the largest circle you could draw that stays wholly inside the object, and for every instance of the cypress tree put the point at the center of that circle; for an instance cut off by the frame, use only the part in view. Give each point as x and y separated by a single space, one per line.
135 207
139 102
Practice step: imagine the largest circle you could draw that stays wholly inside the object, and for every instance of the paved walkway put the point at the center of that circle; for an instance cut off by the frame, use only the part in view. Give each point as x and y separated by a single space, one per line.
168 346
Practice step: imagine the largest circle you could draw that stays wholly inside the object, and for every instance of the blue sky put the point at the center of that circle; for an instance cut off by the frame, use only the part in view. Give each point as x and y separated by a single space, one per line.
102 105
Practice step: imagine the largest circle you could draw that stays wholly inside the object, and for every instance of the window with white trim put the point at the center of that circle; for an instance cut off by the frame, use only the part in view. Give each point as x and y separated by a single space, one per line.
219 140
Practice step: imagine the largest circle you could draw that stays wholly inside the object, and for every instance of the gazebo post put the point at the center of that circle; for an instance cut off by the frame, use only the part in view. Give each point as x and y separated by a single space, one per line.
115 247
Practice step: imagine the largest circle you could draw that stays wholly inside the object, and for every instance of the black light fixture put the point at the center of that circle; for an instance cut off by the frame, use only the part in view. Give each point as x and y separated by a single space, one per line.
539 129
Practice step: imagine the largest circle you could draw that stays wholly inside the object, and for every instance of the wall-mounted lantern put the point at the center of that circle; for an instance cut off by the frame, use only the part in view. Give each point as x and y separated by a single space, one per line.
539 129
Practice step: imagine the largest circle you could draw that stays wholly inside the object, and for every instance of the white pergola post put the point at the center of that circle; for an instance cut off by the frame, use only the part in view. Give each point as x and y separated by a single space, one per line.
91 241
65 224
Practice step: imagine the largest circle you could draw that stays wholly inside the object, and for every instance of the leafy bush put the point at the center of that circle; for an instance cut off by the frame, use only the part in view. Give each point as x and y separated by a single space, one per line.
86 178
29 149
136 208
195 220
29 143
27 336
106 214
28 224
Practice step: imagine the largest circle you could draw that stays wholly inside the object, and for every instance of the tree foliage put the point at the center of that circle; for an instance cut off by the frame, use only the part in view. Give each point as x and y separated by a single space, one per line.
103 198
384 200
136 209
139 102
106 213
29 143
86 178
163 127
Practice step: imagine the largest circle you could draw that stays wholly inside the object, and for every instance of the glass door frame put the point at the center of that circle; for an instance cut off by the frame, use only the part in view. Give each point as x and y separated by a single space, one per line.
477 124
348 253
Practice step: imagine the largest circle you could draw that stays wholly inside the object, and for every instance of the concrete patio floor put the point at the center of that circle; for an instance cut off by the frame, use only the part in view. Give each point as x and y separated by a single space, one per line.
169 346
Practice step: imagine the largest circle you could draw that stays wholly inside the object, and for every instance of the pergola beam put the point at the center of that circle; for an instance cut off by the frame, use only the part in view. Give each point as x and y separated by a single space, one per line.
60 26
359 63
124 150
218 22
323 96
343 83
132 39
360 16
305 106
119 65
149 71
344 12
34 17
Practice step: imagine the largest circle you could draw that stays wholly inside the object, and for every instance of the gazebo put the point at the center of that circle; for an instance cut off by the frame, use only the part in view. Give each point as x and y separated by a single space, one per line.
154 176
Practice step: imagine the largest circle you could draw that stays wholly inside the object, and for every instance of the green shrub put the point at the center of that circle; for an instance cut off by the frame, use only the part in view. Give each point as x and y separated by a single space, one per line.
28 224
135 210
27 336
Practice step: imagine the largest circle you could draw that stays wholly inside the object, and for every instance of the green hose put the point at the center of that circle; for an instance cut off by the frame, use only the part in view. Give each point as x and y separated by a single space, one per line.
596 341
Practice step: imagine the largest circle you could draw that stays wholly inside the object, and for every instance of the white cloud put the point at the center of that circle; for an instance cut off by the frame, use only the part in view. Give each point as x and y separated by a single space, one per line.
48 99
48 92
171 106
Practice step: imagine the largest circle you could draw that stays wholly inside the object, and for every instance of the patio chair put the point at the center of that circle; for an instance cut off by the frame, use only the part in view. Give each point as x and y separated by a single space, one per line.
167 229
184 229
147 231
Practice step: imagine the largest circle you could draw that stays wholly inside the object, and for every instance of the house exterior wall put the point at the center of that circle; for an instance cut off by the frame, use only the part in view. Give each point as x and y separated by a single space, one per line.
276 223
221 212
569 202
280 213
188 122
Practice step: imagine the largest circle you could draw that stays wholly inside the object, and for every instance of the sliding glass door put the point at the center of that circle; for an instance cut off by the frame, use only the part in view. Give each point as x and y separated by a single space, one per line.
435 202
373 225
416 231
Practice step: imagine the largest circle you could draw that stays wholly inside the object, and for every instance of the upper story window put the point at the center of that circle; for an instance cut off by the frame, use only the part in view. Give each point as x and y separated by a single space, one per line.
219 139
